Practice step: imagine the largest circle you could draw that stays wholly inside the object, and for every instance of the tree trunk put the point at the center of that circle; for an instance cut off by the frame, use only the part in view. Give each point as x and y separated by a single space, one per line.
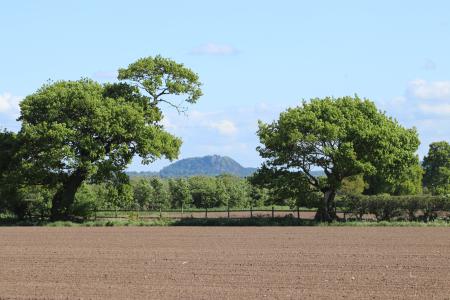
326 212
65 196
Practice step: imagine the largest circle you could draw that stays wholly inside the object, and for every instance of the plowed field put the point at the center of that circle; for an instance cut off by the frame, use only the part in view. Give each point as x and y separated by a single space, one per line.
225 262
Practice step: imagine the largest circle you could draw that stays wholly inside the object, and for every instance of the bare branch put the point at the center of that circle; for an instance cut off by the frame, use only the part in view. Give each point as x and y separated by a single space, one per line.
180 109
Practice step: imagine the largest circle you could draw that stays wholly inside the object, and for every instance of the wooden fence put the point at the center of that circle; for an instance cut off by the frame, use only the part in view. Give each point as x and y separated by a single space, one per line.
273 212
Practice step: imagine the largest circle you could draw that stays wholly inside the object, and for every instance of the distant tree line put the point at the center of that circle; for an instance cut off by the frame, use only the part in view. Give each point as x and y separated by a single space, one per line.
145 193
154 193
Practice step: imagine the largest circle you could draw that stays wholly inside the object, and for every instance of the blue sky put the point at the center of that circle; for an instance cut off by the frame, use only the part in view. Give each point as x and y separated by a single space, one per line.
255 59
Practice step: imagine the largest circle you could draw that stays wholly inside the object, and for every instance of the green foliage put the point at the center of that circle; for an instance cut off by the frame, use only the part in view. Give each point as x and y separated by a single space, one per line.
408 182
285 187
85 202
203 191
180 193
160 77
237 190
353 185
8 171
118 196
81 131
161 195
143 193
385 207
259 196
222 195
343 136
73 130
72 125
30 201
355 204
437 168
8 148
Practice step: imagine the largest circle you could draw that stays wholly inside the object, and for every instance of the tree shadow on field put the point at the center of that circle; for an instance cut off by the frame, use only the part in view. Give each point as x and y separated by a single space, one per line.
277 221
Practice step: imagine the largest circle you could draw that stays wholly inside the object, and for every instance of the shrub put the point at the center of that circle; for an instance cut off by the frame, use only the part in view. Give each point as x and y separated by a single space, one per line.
386 207
354 204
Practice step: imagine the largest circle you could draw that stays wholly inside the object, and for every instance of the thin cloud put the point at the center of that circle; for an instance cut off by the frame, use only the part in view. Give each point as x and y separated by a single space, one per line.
430 97
9 111
434 90
426 106
214 49
9 103
437 109
225 127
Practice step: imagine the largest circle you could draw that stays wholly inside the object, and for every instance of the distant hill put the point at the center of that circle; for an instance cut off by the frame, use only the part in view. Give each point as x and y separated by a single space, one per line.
211 165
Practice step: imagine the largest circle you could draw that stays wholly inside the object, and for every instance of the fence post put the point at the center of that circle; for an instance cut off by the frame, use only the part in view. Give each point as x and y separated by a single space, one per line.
298 212
160 212
115 212
181 210
95 214
251 211
228 211
206 213
273 212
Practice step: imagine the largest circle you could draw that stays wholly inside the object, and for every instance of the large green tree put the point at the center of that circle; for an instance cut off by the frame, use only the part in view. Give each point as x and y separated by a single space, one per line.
73 131
342 136
437 168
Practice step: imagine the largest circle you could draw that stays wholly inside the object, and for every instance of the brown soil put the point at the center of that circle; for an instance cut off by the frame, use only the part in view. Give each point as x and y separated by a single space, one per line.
225 262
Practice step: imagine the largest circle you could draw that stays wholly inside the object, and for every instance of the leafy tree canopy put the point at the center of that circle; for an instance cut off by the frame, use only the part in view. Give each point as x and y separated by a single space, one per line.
160 78
71 126
180 192
75 130
437 168
343 136
409 182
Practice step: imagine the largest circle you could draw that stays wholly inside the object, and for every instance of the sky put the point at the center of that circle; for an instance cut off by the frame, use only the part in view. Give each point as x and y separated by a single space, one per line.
254 58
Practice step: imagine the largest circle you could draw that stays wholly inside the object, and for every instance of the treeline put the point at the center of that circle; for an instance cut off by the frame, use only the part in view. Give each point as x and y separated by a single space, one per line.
143 193
155 193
